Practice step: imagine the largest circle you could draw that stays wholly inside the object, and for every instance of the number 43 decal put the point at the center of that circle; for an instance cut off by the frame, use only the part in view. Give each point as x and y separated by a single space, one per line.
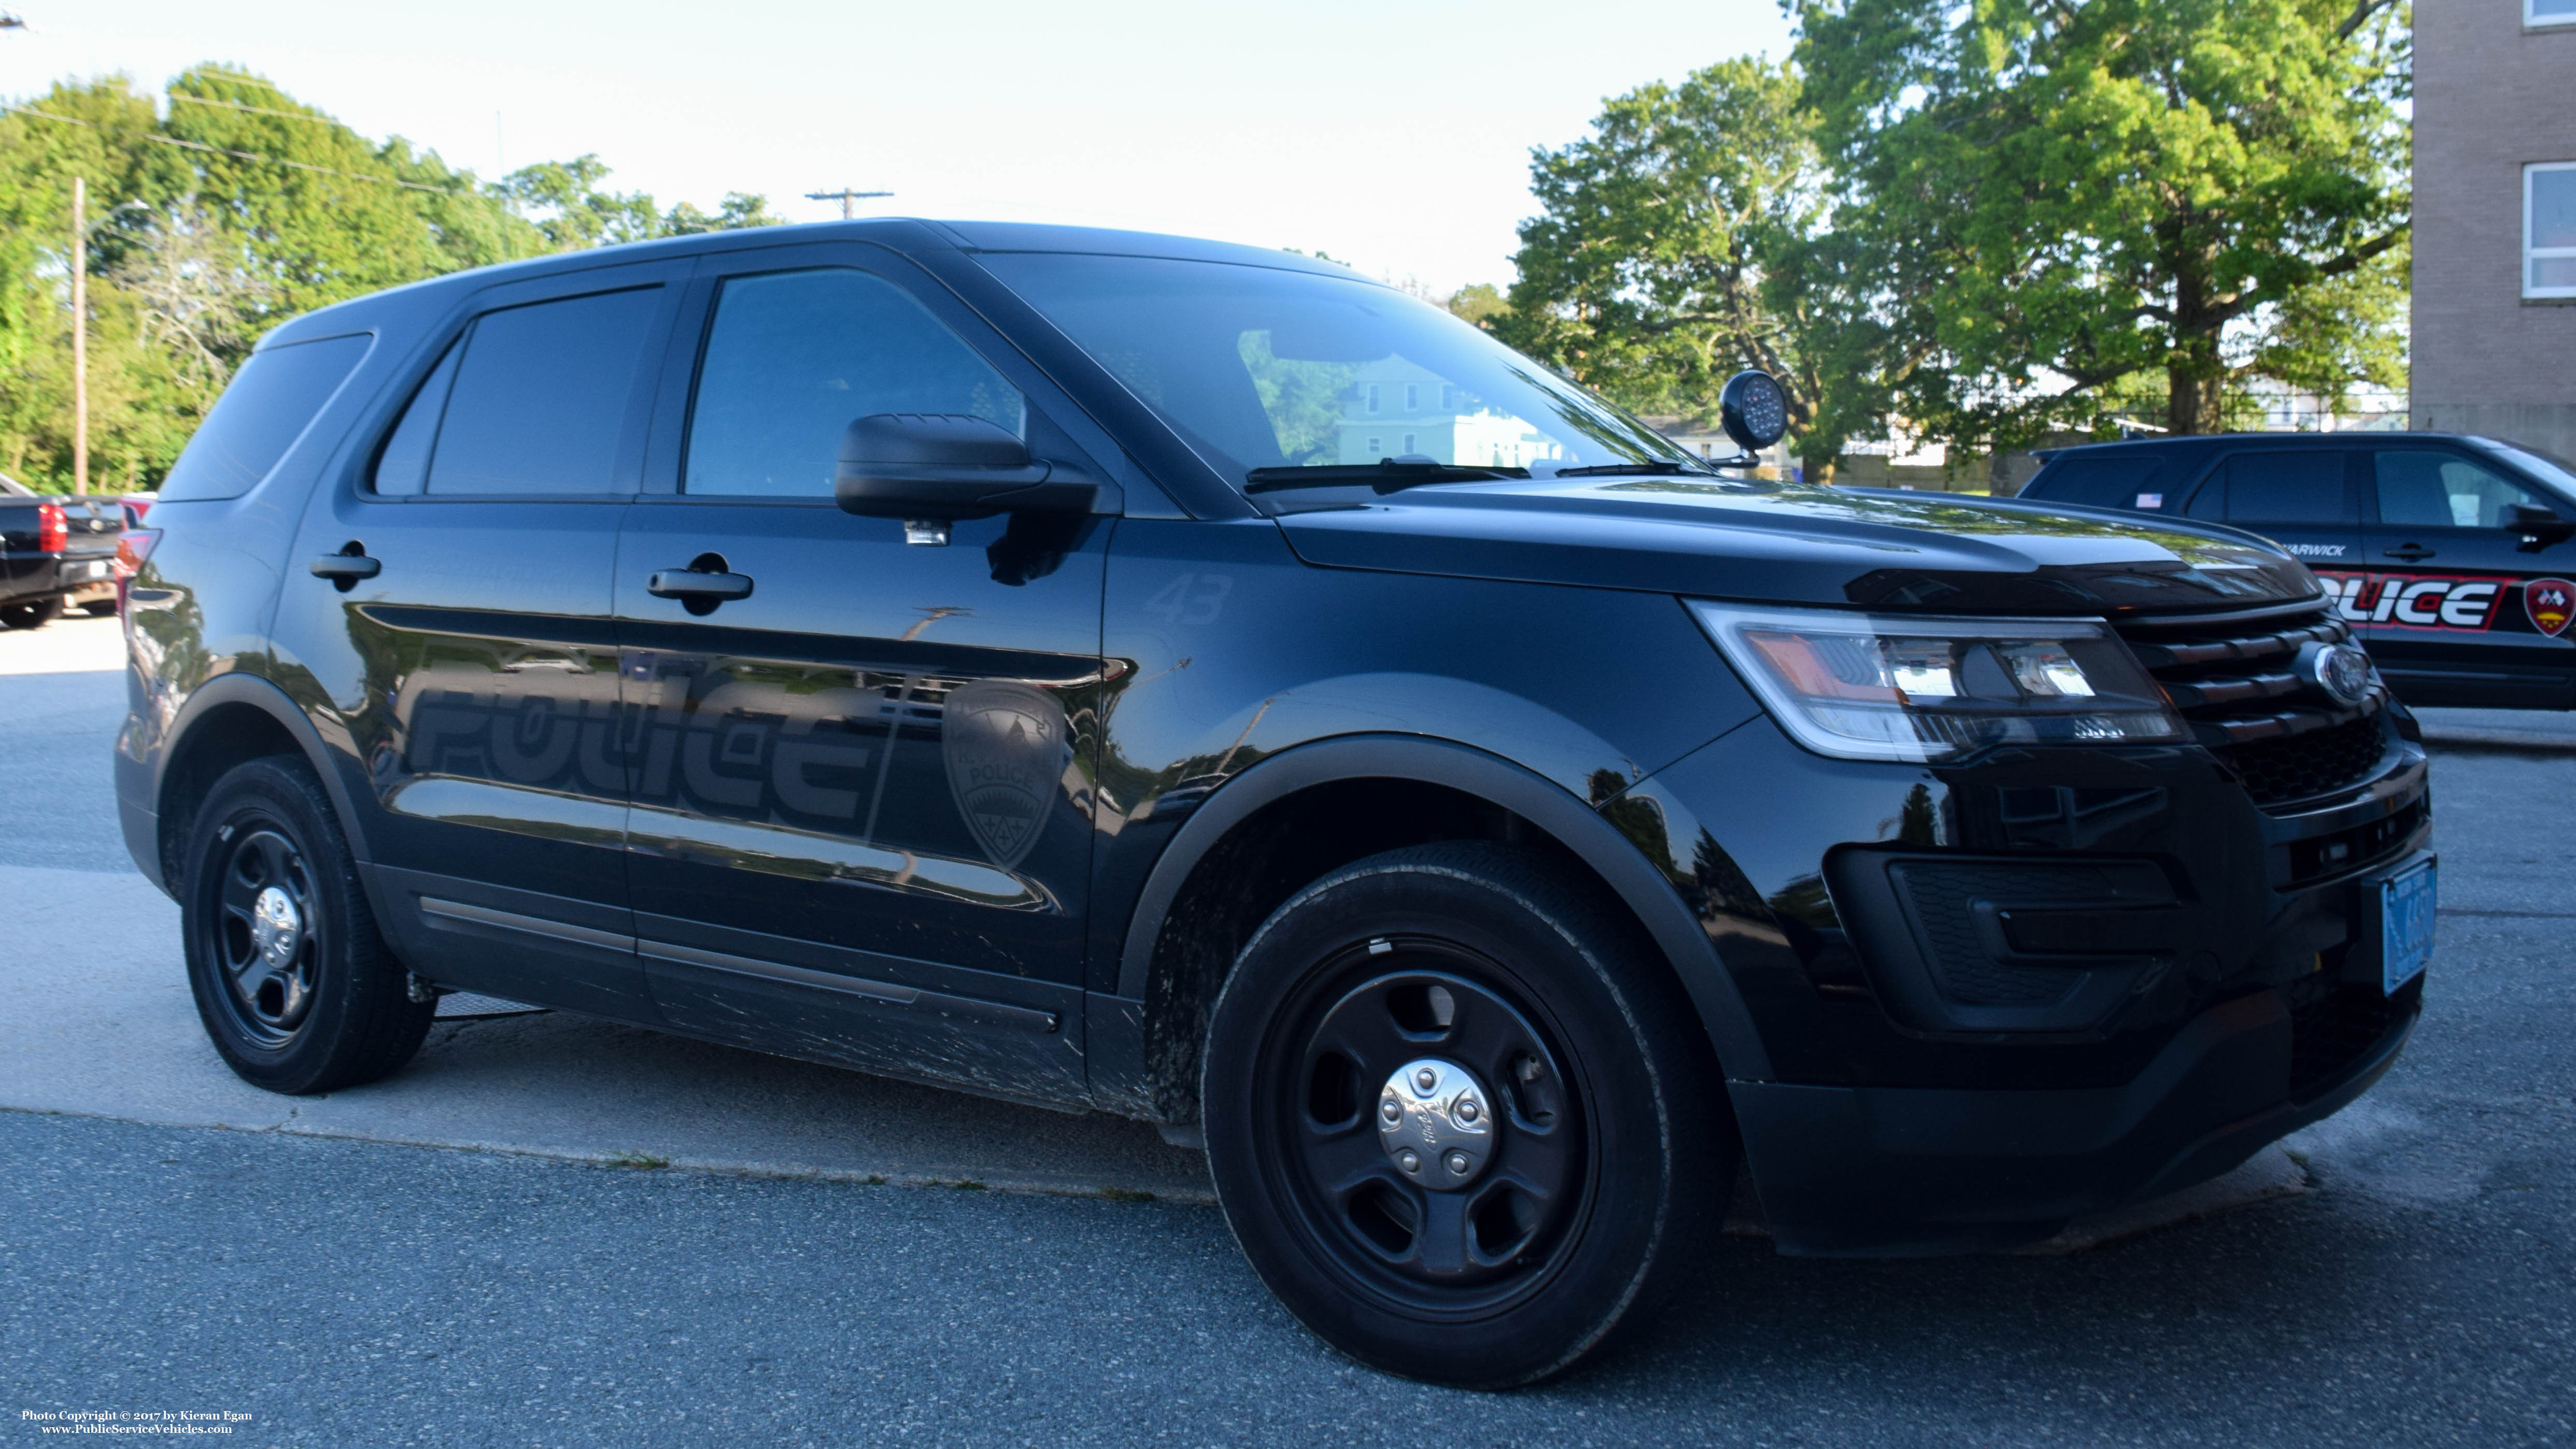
1191 599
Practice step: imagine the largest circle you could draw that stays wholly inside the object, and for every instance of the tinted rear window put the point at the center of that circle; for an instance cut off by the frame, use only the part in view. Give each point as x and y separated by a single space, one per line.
272 400
2277 487
539 401
2116 481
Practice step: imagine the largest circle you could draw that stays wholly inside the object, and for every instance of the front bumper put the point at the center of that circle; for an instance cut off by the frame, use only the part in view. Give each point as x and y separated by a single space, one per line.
2216 969
1900 1170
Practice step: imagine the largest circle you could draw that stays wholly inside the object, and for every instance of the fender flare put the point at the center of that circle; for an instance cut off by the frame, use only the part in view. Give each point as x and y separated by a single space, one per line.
265 696
1542 802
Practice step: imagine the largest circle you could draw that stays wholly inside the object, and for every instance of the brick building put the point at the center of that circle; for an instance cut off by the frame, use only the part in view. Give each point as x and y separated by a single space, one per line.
2495 220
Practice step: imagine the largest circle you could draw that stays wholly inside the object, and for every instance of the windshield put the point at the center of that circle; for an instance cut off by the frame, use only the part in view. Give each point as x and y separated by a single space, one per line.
1262 368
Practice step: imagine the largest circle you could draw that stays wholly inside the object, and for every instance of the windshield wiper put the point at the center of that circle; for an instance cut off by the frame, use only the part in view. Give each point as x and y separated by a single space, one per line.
1658 468
1386 476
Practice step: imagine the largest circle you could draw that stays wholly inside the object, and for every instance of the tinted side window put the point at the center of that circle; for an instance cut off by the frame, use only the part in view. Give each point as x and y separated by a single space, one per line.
272 400
2104 482
2421 488
793 358
403 467
540 395
2276 487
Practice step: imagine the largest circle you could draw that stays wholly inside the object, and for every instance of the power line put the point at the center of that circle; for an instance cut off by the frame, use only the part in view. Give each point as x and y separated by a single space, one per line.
254 110
845 196
249 155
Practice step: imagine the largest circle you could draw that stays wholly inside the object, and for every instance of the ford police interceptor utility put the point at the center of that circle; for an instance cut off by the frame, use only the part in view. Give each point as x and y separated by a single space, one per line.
1130 674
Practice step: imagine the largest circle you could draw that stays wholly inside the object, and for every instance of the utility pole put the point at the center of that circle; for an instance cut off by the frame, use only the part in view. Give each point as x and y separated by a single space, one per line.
845 196
80 335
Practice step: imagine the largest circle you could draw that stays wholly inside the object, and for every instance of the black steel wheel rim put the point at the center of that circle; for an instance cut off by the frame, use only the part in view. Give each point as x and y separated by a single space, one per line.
1429 1251
265 932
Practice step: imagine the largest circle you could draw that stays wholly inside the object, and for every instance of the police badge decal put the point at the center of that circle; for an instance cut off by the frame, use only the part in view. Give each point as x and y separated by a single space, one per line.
1006 746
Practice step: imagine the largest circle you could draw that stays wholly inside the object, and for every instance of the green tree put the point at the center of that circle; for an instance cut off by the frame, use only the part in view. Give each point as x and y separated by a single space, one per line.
1478 302
2098 198
1685 240
211 224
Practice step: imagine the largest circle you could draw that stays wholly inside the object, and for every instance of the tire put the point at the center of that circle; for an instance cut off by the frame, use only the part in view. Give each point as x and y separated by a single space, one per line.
99 608
1600 1178
320 1004
30 613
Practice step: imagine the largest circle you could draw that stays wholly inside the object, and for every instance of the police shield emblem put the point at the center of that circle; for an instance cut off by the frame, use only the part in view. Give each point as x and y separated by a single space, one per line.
2551 603
1006 746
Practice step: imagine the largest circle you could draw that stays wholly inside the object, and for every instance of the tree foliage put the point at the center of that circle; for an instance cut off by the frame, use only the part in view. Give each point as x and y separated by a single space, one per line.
2108 195
1686 239
213 216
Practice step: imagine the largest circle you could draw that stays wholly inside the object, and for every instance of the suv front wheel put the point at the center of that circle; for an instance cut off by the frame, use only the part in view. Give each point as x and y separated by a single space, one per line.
293 982
1458 1117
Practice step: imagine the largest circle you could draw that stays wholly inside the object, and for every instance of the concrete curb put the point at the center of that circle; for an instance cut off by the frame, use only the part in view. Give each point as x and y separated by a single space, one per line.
1000 1180
2460 737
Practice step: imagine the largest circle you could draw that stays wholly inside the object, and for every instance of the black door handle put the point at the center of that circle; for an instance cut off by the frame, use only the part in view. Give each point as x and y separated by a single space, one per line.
2410 552
346 567
691 586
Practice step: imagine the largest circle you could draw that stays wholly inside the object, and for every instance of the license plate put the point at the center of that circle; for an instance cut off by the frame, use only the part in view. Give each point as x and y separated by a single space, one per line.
2405 926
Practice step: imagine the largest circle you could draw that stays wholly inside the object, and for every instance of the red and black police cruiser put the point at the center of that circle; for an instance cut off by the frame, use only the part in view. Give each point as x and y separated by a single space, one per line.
2449 555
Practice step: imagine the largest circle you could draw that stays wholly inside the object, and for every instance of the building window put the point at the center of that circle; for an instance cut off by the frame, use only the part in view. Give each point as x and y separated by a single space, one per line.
2549 12
2549 227
1375 447
1412 397
1408 442
1372 399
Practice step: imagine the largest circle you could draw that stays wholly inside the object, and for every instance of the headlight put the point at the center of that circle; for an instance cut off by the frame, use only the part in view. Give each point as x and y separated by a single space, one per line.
1891 687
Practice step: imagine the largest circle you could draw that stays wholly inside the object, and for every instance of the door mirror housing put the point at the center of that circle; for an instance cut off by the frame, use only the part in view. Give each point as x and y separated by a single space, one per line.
2539 527
939 468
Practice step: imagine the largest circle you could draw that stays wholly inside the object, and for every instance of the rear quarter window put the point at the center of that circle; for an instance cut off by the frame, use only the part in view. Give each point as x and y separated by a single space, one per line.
2134 480
272 400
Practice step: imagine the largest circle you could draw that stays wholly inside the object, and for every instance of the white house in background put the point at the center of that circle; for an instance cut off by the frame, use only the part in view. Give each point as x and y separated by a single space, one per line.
1397 408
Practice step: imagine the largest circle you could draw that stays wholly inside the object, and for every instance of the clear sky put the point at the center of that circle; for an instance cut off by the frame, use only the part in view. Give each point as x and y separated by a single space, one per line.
1394 135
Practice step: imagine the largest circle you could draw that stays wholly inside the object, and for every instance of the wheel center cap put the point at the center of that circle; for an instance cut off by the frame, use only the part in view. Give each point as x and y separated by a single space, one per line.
1437 1122
276 927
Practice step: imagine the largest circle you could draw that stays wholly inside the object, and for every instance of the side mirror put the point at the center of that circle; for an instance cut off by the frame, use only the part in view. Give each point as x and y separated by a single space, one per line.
932 469
1753 410
2539 527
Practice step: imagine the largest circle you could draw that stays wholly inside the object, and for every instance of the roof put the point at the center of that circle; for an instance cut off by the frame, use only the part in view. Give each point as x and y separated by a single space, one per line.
2196 442
909 234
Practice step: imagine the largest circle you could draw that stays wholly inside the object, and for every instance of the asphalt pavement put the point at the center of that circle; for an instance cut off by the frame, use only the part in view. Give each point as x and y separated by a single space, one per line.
342 1289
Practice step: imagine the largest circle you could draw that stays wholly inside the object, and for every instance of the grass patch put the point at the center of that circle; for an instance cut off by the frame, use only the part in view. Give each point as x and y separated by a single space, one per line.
1125 1194
644 1161
967 1184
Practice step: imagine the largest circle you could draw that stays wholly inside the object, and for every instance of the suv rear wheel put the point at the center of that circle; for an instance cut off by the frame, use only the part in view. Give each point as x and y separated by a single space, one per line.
293 982
1458 1120
29 614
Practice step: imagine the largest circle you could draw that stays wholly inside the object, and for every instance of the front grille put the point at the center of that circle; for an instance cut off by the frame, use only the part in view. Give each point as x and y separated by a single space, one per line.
2235 681
2332 1032
2316 763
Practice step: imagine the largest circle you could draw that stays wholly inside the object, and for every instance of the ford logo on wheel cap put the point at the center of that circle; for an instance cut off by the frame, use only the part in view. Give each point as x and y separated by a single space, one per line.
2342 671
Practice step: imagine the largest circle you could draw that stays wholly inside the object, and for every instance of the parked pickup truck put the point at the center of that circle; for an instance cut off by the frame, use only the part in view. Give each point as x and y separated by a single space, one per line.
55 551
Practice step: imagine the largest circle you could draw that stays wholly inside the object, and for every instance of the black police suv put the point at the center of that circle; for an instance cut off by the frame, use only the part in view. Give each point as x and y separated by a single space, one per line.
2450 556
1139 675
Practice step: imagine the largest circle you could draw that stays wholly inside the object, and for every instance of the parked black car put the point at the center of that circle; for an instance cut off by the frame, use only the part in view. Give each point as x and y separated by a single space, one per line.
55 550
2450 556
1140 675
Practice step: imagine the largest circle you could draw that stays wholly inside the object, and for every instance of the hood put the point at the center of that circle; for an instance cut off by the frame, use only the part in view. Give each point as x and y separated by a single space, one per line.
1787 543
